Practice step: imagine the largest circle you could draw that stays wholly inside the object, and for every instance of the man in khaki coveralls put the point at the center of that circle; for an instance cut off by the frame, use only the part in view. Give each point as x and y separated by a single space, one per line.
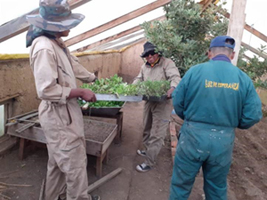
156 114
55 70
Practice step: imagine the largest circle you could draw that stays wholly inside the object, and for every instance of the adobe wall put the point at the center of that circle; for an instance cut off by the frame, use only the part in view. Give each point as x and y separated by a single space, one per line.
16 78
105 65
131 62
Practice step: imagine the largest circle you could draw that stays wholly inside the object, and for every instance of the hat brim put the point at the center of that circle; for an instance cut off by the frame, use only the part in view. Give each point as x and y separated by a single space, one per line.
146 51
58 25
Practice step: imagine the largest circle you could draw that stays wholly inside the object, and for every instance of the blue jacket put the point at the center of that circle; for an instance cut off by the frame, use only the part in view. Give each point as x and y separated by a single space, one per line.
217 93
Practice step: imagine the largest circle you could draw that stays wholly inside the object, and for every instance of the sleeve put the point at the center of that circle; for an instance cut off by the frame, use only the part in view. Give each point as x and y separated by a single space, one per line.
172 74
80 72
46 75
178 96
139 77
251 110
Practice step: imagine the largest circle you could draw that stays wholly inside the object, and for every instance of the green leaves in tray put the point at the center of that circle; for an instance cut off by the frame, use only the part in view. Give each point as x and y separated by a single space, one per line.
115 85
112 85
153 88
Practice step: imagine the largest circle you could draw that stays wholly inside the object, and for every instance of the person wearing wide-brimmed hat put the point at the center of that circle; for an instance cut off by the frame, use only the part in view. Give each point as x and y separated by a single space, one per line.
156 114
213 98
55 70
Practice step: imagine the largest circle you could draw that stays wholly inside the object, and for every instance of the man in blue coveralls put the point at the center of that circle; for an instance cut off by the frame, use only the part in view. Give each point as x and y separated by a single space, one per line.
213 99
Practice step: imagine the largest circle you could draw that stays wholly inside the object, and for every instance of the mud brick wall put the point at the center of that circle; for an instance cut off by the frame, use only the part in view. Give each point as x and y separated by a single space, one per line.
131 62
16 78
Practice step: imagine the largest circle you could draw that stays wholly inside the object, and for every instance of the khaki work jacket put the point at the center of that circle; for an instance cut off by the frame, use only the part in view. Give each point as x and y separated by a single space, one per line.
55 75
165 69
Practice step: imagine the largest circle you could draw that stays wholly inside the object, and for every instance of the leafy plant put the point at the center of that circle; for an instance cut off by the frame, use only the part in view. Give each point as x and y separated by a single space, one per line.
255 67
153 88
186 33
115 85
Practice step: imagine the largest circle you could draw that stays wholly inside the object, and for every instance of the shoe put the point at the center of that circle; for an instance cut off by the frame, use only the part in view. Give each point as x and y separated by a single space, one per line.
143 167
141 153
95 197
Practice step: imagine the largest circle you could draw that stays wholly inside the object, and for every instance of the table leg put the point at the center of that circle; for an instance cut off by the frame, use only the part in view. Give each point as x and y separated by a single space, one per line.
21 148
119 118
99 164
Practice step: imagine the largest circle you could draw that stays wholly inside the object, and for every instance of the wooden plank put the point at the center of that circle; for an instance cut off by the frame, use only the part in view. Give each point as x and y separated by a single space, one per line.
251 30
22 115
107 45
9 98
41 195
256 32
34 133
20 24
116 22
101 181
114 37
128 44
23 128
254 50
236 25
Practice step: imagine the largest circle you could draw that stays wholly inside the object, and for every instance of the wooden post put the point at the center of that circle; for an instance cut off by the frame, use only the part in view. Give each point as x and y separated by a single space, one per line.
236 24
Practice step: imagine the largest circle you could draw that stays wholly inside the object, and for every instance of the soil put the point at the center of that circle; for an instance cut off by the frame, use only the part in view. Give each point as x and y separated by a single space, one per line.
97 131
247 179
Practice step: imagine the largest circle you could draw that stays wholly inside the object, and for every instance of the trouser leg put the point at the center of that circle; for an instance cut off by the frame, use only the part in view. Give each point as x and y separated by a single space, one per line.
72 163
161 116
147 123
217 166
55 179
215 181
185 170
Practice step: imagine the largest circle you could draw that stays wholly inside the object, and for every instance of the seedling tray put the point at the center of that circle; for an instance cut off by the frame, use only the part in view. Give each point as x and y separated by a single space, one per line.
107 111
155 98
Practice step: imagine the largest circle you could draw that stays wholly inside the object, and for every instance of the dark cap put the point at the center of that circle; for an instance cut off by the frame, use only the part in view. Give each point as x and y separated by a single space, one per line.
223 41
147 48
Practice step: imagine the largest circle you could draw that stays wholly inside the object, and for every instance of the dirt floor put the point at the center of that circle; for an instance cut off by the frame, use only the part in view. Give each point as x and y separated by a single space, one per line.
22 179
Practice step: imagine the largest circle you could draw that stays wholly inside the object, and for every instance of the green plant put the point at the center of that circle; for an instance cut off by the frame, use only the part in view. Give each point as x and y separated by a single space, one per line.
115 85
153 88
186 33
255 67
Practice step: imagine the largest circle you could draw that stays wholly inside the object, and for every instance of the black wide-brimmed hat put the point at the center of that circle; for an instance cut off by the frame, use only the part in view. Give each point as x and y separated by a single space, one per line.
148 47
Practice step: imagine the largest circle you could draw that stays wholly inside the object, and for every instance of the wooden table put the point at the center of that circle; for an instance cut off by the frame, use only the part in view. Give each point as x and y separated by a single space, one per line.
24 132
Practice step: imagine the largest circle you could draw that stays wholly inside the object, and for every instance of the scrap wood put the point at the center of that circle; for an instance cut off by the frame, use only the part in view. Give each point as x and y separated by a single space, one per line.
2 187
14 185
6 173
4 196
103 180
41 195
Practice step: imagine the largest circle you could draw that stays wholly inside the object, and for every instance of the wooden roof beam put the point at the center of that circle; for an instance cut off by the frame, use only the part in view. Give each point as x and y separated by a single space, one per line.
254 50
250 29
114 37
117 21
20 24
113 43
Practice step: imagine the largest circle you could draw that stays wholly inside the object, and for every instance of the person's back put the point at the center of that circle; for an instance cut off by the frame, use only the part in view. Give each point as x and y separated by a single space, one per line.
216 94
213 98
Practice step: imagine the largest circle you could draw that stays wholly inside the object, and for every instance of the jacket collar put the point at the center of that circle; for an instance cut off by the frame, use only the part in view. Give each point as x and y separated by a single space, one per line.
221 57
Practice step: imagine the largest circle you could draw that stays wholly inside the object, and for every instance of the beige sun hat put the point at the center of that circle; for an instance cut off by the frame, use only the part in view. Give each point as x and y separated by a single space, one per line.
55 15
